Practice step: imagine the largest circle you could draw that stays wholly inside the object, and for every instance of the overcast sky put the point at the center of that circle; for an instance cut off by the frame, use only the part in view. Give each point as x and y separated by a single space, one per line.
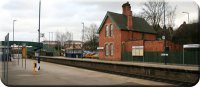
68 15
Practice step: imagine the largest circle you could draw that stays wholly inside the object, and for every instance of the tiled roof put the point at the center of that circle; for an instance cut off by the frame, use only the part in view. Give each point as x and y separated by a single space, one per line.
139 24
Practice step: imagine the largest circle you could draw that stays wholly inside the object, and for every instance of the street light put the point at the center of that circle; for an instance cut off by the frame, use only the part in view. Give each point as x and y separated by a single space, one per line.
164 37
50 39
52 36
83 32
13 28
39 37
187 14
13 34
82 39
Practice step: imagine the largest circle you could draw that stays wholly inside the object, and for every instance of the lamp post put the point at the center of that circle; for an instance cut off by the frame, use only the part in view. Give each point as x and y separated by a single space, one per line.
83 31
49 39
164 28
13 36
14 28
187 14
39 36
82 39
52 36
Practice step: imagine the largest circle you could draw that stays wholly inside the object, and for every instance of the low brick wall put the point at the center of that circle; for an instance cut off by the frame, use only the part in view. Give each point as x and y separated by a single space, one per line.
184 77
153 46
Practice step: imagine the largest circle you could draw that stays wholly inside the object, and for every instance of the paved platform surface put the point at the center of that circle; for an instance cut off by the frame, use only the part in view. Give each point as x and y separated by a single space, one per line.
146 64
55 74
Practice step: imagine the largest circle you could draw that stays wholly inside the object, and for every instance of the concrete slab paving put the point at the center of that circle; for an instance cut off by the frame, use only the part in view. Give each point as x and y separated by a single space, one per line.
55 74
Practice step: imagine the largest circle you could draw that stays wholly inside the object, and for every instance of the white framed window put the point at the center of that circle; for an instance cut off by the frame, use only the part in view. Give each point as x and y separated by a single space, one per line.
111 30
137 50
107 50
111 49
107 30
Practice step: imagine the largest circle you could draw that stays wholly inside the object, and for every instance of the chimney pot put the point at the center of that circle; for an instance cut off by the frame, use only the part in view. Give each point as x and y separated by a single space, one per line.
126 7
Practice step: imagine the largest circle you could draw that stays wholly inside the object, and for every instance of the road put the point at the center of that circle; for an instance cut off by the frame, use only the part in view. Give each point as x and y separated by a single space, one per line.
55 74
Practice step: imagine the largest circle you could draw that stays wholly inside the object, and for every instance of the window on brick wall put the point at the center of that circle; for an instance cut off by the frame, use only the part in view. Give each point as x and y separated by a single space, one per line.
111 30
111 49
107 50
107 30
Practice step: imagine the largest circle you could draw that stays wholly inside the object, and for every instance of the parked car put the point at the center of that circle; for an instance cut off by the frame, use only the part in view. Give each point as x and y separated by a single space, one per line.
95 55
91 55
87 55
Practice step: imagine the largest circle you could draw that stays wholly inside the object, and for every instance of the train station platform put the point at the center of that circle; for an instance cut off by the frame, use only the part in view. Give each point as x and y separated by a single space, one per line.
173 73
55 74
145 64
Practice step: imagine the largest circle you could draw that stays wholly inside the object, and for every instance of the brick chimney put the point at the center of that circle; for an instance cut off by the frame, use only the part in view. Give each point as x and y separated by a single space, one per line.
126 7
130 20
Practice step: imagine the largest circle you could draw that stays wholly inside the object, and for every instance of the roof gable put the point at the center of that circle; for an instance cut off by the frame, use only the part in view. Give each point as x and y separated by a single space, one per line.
108 14
139 24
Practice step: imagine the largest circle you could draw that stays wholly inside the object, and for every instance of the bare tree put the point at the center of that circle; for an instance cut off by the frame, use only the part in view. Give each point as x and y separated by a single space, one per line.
171 17
58 37
91 38
153 12
61 38
69 39
90 32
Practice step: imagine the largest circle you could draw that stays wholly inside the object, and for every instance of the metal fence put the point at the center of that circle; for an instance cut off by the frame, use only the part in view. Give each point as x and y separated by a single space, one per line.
190 57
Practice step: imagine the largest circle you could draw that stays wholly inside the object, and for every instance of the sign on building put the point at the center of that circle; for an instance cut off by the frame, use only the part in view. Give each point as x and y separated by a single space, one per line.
137 50
100 48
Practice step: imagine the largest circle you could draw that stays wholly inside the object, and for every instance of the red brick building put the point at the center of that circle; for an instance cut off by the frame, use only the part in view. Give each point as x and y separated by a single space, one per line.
120 32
